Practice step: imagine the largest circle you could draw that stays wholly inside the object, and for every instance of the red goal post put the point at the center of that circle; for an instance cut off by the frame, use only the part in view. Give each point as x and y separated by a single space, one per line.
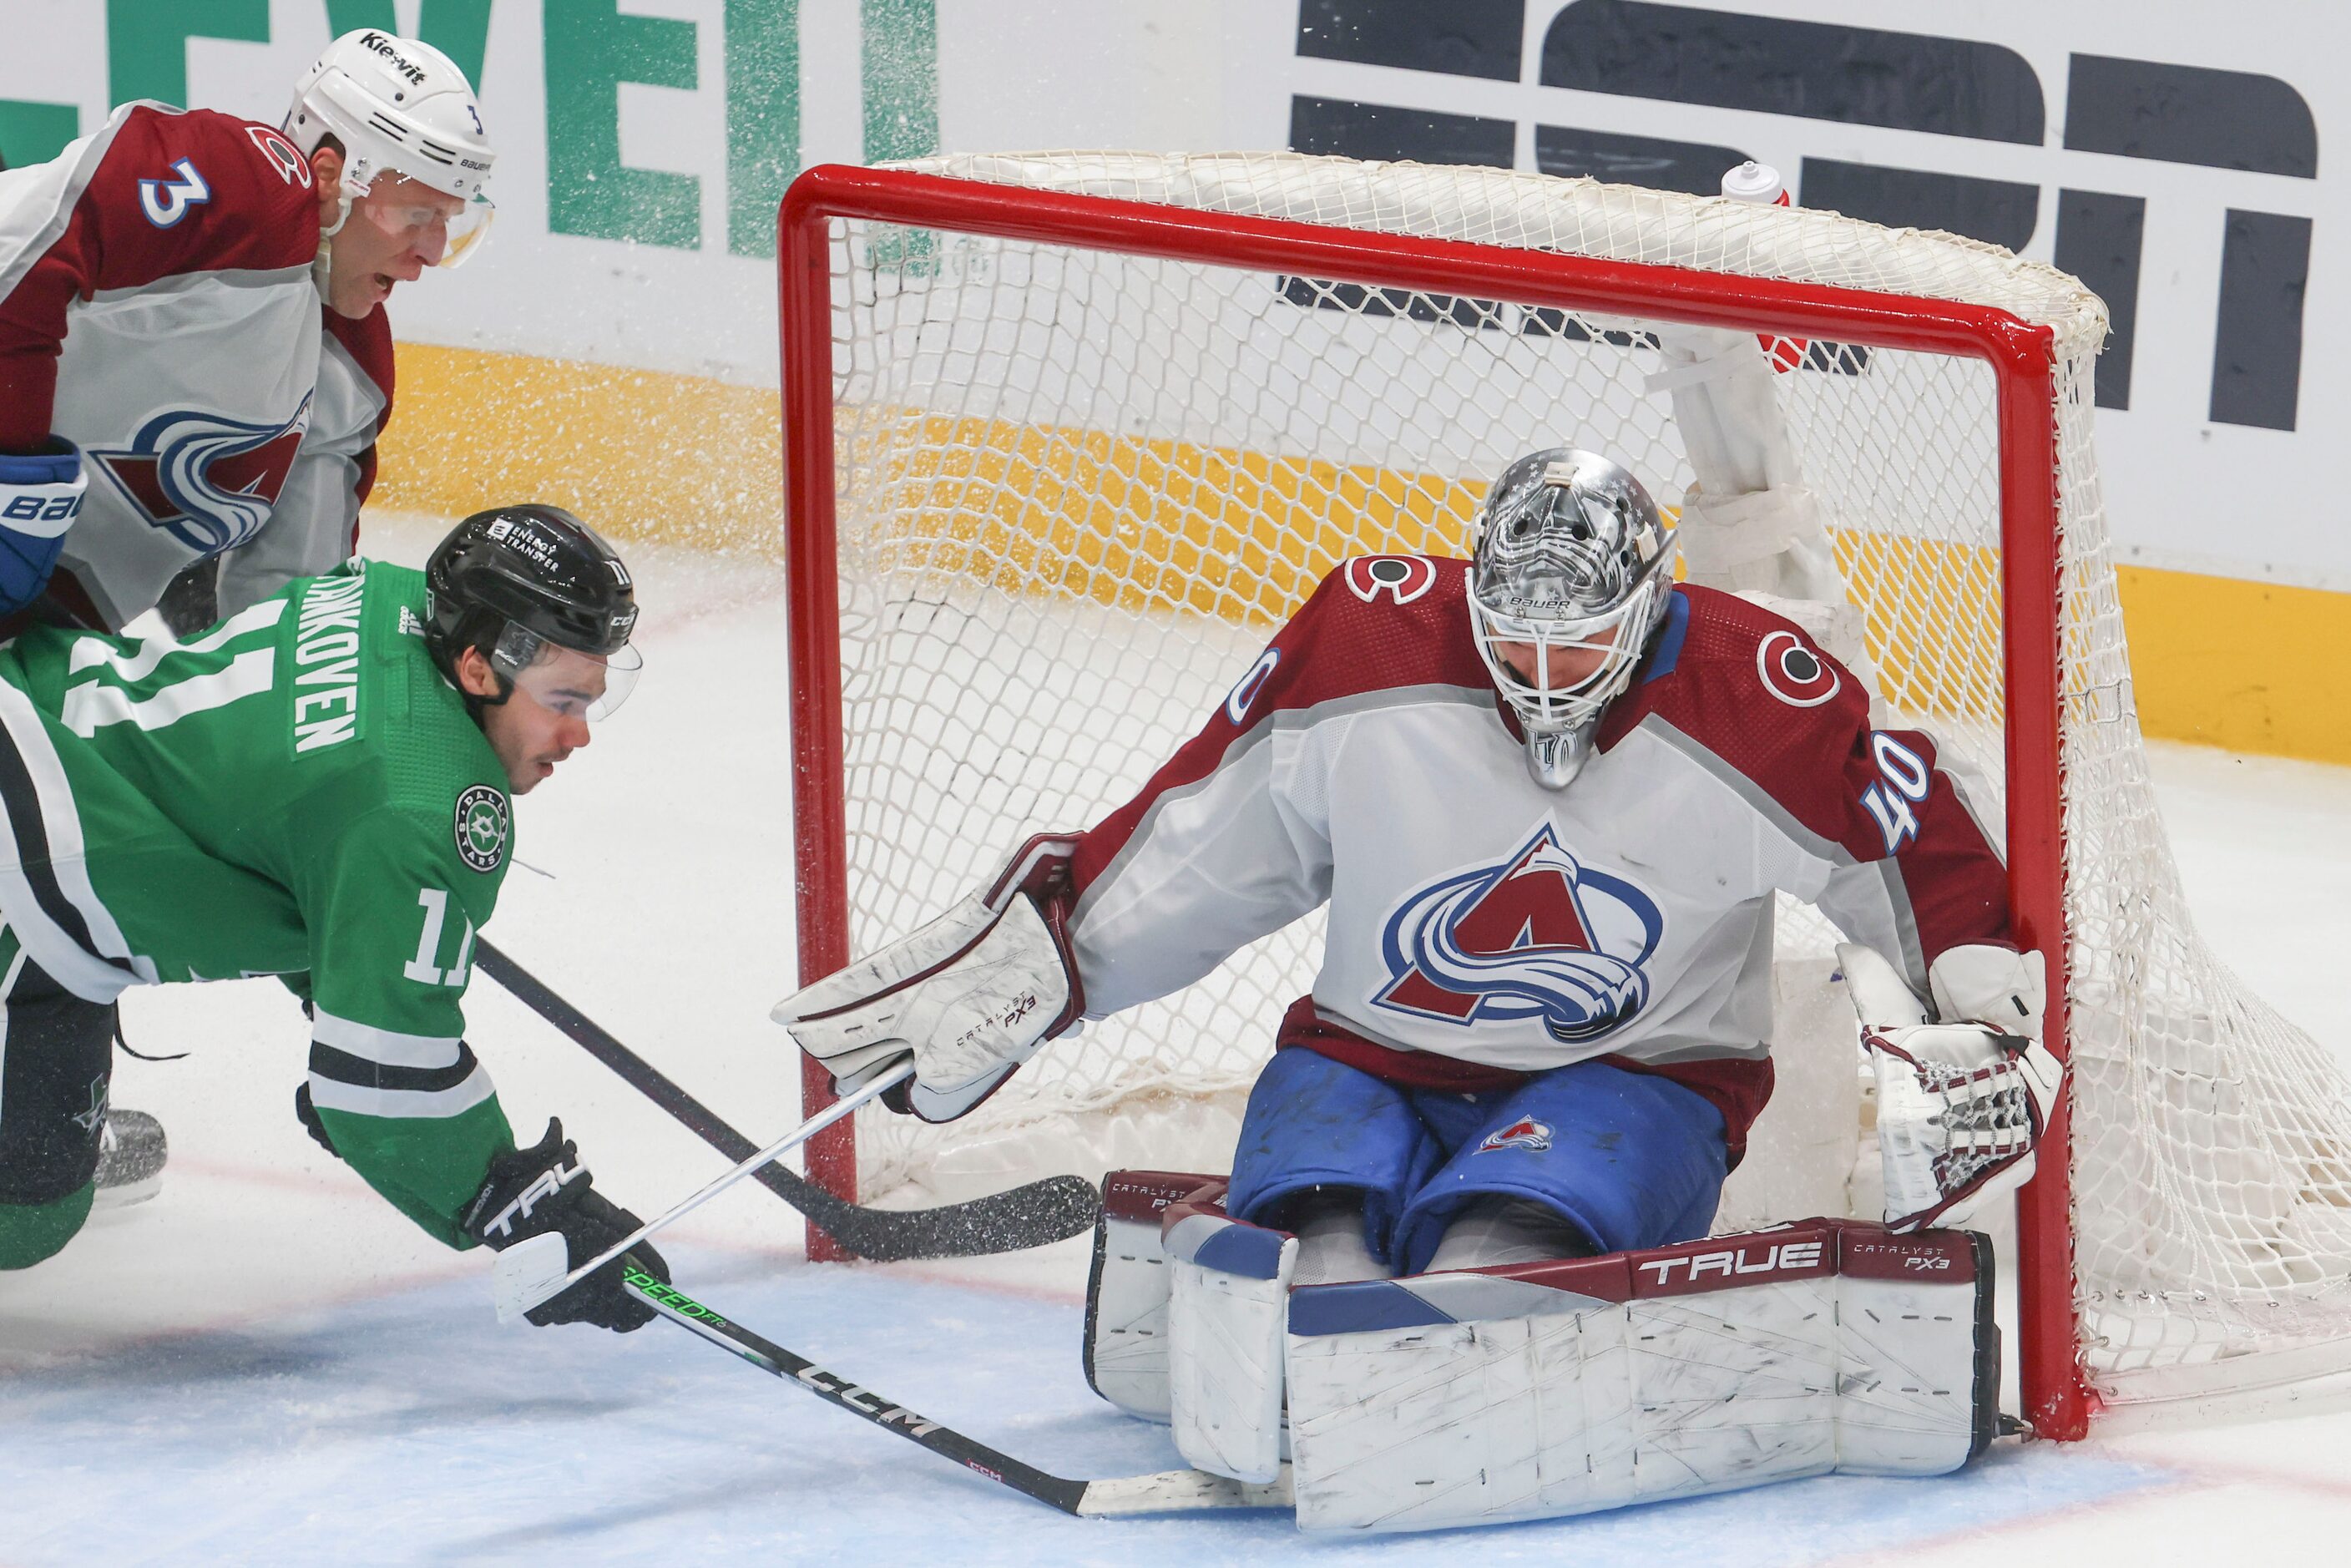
2020 355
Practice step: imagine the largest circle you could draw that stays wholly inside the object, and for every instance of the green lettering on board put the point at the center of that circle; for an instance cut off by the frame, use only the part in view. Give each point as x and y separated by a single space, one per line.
35 132
147 42
763 118
900 67
590 50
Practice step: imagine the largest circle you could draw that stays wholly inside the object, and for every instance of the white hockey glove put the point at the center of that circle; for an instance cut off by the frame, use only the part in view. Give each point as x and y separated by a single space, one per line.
970 995
1962 1104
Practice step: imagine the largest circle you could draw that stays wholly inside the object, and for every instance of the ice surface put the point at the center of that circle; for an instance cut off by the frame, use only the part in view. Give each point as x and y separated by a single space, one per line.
265 1363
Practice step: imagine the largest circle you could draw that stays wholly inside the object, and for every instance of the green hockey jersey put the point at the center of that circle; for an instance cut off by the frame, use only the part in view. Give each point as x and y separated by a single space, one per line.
297 792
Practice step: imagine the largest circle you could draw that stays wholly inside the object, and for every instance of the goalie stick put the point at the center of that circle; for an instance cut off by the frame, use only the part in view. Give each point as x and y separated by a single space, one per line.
1028 1215
1169 1492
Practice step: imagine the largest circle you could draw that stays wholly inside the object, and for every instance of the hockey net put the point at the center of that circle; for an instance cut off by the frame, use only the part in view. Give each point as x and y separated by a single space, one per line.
1068 488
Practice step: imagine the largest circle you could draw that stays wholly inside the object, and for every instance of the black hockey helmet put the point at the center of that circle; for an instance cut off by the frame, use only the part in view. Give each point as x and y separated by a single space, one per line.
514 580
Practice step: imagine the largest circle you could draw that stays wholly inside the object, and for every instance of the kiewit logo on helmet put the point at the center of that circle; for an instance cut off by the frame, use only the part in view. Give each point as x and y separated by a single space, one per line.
1531 936
400 62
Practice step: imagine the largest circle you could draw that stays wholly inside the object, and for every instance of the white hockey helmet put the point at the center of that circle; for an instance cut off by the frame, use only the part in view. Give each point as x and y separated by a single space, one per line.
398 106
1569 552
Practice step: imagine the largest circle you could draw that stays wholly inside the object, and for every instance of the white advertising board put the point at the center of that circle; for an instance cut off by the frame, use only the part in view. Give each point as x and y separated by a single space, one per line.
2177 157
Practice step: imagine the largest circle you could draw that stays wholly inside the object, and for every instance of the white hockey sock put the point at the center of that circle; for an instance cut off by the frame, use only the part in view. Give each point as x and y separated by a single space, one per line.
1329 1225
1491 1231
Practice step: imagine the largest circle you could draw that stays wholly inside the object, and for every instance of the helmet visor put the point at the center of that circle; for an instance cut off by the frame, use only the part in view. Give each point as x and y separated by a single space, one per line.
448 229
565 680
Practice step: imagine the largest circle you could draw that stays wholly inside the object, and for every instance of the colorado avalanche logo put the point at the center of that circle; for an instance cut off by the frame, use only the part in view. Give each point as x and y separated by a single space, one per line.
208 481
1793 672
1536 935
1403 578
1526 1133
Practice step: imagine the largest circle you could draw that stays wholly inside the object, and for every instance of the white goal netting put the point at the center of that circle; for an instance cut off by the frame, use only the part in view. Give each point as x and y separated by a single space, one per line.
1077 490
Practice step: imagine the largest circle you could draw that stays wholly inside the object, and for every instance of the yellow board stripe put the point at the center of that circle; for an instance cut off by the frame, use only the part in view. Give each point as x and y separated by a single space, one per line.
652 456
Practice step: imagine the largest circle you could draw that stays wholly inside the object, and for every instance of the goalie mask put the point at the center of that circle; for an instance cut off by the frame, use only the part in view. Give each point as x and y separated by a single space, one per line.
1571 556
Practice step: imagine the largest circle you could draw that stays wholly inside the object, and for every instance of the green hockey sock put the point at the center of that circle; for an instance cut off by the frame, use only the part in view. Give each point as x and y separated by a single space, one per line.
32 1231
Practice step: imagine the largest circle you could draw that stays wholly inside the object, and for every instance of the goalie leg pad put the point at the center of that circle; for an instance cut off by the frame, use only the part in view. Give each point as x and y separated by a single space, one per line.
1225 1319
1543 1390
1128 1291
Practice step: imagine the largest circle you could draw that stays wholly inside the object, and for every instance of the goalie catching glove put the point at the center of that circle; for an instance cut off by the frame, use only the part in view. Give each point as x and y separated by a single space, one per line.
971 997
1961 1103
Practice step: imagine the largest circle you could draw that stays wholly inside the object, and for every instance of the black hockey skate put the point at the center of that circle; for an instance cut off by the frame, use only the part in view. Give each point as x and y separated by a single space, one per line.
131 1150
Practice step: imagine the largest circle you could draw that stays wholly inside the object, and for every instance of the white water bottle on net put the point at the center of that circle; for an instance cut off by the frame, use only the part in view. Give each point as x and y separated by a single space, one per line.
1069 434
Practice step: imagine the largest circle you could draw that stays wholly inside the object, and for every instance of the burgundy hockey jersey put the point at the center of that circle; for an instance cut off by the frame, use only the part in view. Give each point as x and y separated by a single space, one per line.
157 309
1482 926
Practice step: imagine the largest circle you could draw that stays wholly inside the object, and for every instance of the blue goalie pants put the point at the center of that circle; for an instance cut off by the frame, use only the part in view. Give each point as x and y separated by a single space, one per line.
1631 1159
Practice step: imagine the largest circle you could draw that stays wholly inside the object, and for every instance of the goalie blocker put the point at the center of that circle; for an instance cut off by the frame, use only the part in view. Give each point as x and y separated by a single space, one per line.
1540 1390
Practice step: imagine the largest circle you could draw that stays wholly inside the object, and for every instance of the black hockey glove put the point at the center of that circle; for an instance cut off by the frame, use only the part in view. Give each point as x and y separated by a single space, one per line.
533 1191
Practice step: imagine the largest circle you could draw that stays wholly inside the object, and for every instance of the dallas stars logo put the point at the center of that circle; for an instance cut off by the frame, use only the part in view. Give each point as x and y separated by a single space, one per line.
482 827
90 1120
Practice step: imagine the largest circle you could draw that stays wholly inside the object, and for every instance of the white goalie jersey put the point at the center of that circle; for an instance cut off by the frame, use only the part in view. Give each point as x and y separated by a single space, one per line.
1482 926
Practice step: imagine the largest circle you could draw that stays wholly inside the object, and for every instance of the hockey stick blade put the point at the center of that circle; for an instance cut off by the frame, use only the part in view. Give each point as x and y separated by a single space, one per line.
526 1273
1169 1492
1028 1216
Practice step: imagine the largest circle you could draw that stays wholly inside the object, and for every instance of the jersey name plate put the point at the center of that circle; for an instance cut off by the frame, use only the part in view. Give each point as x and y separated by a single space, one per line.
327 661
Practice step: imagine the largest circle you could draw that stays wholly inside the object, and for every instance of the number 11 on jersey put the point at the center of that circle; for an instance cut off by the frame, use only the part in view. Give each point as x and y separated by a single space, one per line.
423 968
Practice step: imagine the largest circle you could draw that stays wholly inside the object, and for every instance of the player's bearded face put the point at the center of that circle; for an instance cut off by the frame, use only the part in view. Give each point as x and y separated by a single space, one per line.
545 718
394 232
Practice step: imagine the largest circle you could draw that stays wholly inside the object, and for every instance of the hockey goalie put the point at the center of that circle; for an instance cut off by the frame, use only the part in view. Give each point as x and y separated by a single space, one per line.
1460 1270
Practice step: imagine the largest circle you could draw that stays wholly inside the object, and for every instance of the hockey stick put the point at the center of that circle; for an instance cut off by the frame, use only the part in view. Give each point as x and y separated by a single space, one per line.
1169 1492
1027 1216
532 1270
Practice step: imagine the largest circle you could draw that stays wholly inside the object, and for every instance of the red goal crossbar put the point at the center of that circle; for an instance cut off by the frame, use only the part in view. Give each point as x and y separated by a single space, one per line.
2057 1398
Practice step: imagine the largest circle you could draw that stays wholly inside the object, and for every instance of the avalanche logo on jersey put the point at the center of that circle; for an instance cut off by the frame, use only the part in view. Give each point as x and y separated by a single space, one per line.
1403 578
207 480
1535 935
1526 1133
